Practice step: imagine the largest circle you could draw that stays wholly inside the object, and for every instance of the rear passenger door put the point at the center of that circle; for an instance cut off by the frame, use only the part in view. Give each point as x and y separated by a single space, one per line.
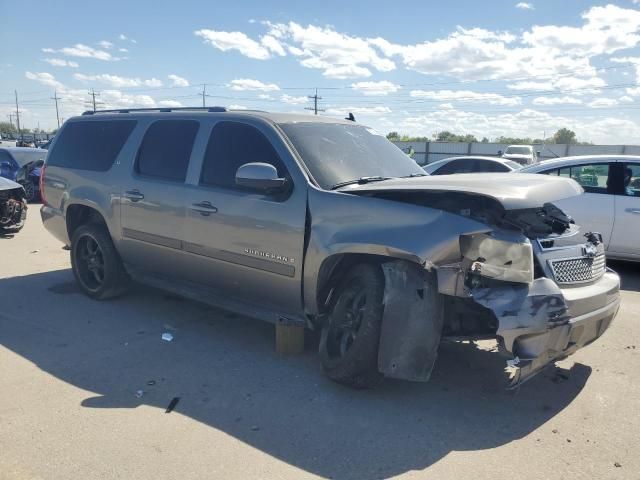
243 243
461 165
153 198
593 211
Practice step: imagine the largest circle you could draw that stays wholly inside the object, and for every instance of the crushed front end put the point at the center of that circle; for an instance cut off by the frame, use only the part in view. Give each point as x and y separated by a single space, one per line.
542 285
13 207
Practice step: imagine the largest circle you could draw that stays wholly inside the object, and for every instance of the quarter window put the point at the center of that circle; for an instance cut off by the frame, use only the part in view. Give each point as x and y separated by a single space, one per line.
231 145
166 149
90 145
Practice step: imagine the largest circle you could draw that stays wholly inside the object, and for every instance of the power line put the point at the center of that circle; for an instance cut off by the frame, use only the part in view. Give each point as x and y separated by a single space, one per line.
315 99
93 96
204 94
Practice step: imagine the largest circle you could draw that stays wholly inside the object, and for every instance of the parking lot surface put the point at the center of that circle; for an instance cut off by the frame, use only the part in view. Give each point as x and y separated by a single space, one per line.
85 386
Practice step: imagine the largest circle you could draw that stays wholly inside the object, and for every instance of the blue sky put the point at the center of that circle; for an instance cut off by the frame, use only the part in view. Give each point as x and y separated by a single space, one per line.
486 68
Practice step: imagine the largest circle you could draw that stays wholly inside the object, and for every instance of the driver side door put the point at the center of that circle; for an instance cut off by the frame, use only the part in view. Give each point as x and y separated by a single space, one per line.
246 244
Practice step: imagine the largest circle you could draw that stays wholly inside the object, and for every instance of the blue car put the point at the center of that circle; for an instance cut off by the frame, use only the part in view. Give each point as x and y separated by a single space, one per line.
23 165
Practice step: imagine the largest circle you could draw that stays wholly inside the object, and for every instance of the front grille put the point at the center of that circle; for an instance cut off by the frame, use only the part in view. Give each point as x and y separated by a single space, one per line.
578 270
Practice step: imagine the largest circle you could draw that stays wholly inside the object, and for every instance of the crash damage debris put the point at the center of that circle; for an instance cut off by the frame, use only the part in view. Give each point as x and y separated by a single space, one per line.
13 207
172 404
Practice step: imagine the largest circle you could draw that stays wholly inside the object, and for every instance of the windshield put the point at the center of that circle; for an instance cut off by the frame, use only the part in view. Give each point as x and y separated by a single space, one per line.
514 165
335 152
518 151
30 156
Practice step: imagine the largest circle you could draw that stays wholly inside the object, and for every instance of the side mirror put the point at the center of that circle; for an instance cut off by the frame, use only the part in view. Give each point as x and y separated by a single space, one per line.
537 154
259 176
5 166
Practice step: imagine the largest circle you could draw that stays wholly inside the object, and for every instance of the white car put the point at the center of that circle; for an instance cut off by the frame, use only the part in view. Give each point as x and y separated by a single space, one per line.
523 154
611 203
470 164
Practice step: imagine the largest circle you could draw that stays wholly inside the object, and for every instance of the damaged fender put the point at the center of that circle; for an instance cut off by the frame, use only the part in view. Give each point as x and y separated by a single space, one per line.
411 323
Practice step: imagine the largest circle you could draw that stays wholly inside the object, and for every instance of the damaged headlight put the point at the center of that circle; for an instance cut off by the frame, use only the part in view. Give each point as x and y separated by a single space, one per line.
498 259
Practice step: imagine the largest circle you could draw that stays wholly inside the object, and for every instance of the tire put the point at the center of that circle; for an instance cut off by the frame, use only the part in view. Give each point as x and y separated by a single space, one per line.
351 334
96 264
30 191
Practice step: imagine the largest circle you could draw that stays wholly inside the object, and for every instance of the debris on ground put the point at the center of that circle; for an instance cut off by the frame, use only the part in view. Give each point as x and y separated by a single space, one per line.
34 251
139 393
555 430
630 347
617 464
167 337
66 247
172 404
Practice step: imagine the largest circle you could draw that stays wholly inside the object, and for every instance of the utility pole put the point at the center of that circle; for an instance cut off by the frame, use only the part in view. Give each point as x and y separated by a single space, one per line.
56 98
204 94
11 115
315 99
17 113
93 96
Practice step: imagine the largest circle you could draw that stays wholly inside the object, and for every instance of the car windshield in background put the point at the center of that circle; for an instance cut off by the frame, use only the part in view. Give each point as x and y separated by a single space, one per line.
514 165
336 153
518 151
26 157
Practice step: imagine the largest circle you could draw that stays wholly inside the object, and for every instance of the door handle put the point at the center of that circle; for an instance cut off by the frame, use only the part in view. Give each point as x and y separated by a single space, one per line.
633 210
204 208
134 195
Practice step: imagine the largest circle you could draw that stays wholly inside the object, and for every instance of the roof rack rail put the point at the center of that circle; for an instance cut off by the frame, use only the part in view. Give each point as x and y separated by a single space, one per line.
159 109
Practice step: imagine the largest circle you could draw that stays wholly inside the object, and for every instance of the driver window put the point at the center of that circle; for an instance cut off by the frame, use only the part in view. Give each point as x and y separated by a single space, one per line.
631 179
231 145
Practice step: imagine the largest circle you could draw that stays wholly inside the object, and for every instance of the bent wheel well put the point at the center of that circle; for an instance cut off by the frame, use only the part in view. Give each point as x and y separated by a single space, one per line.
78 215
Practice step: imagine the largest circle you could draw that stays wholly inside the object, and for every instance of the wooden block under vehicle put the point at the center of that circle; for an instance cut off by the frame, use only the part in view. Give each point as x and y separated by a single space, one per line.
289 339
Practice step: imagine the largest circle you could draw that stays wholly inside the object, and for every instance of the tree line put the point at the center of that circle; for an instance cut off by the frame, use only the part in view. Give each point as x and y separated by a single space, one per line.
562 136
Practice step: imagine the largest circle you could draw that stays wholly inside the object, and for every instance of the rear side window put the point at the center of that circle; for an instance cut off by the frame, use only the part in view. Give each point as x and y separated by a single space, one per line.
231 145
91 145
464 165
166 149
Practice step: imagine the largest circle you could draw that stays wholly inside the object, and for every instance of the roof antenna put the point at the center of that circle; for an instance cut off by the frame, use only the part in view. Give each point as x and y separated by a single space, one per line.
350 117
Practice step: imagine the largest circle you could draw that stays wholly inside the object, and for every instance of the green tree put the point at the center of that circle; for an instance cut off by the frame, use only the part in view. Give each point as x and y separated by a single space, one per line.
565 136
7 128
446 136
393 136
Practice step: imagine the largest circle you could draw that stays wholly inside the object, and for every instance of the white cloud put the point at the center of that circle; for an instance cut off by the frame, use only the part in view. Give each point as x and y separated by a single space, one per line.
44 78
242 84
83 51
237 107
177 81
603 102
376 88
273 45
525 6
556 101
169 103
60 62
465 96
528 85
265 96
118 81
123 50
105 44
234 41
626 99
293 100
123 37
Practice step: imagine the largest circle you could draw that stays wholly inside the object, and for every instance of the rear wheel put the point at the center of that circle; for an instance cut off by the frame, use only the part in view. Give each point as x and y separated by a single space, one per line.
351 334
96 264
29 190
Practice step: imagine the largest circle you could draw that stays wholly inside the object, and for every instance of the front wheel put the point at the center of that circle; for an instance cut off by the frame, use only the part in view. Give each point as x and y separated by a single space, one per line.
96 264
351 333
30 191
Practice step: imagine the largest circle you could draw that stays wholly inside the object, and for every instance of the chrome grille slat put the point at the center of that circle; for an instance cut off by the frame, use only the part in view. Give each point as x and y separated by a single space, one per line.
578 269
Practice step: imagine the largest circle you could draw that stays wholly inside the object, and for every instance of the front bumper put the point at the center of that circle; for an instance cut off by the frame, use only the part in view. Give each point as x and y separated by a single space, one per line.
540 323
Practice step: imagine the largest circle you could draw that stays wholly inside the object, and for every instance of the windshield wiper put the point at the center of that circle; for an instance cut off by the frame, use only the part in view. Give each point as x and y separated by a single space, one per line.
414 175
359 181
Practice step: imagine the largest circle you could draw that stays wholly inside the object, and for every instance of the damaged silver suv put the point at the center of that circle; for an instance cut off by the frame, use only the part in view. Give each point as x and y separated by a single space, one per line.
323 223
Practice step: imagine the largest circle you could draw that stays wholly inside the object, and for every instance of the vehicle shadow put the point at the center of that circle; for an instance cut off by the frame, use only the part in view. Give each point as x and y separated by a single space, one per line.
629 274
227 375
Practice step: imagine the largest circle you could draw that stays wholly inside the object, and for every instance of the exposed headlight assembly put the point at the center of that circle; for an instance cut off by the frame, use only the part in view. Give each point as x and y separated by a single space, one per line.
498 259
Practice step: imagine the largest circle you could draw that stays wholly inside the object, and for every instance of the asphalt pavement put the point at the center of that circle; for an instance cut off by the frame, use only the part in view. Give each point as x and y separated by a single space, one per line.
84 388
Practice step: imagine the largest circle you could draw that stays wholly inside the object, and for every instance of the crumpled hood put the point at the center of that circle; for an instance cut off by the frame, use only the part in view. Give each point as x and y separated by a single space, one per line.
6 184
513 190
